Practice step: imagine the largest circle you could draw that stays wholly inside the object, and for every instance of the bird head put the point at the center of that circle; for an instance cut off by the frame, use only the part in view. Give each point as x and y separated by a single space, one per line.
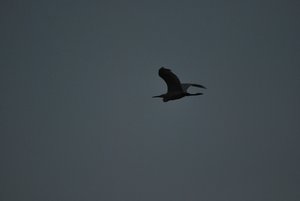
163 68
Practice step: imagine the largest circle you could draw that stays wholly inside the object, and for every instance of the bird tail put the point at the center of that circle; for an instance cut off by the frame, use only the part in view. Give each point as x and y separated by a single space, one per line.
185 86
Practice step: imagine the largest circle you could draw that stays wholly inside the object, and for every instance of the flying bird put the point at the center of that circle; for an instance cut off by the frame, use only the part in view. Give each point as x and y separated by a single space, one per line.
176 89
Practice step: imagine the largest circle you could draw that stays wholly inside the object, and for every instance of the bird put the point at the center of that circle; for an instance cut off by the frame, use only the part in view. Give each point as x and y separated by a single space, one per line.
176 89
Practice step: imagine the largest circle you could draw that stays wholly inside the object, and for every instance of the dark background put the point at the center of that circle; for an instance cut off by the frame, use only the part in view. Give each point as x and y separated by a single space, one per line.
78 123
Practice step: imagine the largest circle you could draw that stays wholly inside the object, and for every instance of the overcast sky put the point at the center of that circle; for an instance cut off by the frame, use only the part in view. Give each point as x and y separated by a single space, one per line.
78 123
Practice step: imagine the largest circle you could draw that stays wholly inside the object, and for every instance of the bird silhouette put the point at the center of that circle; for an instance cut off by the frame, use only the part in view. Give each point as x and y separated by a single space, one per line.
176 89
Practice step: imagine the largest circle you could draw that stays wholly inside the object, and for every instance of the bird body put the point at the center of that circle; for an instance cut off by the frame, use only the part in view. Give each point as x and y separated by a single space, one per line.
176 89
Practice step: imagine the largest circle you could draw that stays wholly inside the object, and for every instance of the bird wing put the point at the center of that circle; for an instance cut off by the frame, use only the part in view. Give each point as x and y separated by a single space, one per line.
171 79
185 86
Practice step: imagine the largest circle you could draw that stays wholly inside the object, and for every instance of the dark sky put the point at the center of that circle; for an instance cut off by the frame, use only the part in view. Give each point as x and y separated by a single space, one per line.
78 123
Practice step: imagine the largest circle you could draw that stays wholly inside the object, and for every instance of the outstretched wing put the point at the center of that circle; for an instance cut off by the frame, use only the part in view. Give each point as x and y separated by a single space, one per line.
171 79
185 86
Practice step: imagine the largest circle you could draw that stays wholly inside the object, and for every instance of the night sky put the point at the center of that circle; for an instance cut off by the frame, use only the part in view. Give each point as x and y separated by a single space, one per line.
77 117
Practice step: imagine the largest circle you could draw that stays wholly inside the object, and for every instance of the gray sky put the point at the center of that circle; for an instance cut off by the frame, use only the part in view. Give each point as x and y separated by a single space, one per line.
78 121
